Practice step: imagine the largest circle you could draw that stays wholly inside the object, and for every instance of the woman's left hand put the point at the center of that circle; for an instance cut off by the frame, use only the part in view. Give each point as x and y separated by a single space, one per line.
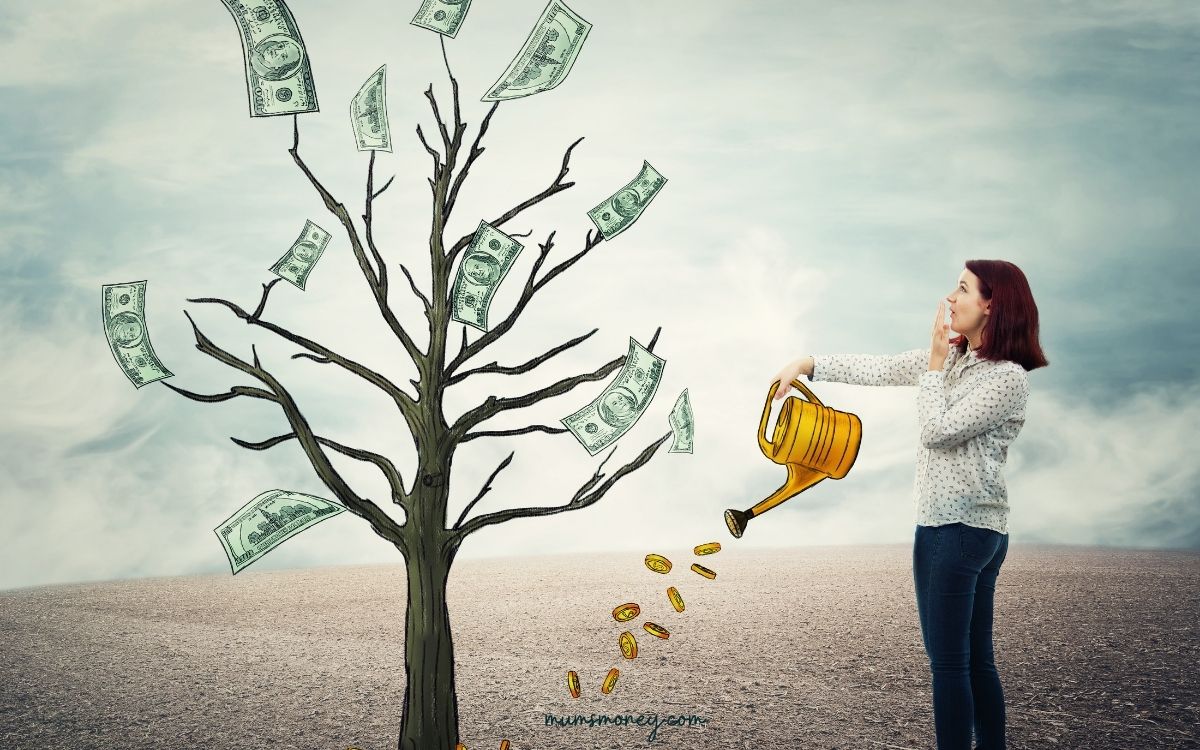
939 349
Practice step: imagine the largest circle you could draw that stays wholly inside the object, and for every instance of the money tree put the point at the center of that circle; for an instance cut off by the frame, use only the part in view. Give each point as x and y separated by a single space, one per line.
425 537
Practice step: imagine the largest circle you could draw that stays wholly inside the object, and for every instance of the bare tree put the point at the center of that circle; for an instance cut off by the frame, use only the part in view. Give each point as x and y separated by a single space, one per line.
427 542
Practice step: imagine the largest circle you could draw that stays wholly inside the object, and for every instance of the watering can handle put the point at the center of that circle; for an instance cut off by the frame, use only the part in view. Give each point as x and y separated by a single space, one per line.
762 427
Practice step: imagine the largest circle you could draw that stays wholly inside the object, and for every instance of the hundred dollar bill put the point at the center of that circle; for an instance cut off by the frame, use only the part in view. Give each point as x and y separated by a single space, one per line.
485 265
442 16
368 114
621 404
267 521
304 253
614 215
547 56
124 309
279 77
682 424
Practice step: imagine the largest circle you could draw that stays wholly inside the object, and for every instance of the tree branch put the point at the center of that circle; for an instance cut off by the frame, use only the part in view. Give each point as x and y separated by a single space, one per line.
493 405
531 364
313 357
383 462
476 150
583 496
459 125
403 401
486 486
262 303
234 392
437 115
437 158
466 352
381 523
555 187
380 268
522 431
413 284
338 210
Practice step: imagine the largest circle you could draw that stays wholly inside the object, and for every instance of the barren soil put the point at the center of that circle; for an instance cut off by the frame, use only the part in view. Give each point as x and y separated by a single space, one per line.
813 647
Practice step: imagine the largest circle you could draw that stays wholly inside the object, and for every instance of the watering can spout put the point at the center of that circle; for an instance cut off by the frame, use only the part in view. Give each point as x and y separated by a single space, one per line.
811 440
799 479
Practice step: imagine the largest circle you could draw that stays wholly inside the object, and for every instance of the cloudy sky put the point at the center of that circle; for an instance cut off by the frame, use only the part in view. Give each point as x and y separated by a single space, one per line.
830 167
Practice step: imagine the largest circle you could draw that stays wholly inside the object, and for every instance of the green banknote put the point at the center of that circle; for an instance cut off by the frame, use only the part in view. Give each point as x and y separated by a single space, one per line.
547 56
614 215
484 266
124 309
279 77
682 424
298 261
442 16
267 521
368 114
621 404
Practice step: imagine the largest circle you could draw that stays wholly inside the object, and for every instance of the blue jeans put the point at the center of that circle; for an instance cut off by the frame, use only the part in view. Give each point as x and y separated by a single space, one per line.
954 570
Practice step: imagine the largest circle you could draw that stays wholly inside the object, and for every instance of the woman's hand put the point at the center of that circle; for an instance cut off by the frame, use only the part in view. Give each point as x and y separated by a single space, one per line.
785 377
939 349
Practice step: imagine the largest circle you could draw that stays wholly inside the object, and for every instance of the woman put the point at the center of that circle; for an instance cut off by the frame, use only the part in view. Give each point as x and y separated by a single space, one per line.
971 406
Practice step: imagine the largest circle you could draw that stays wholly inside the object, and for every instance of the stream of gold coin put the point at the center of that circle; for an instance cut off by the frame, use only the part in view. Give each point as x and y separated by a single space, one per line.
629 610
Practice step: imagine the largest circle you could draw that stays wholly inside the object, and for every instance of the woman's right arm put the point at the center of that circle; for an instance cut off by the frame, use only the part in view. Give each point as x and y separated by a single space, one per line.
856 369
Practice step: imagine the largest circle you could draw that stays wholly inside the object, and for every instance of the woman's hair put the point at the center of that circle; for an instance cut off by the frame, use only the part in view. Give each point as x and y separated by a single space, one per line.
1011 328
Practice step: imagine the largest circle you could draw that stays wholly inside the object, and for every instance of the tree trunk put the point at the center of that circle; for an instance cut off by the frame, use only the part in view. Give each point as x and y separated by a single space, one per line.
430 718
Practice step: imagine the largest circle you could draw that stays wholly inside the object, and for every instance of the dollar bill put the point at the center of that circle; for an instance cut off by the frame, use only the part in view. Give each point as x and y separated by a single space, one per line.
484 266
368 114
623 207
682 426
298 261
547 56
267 521
279 77
621 404
124 309
442 16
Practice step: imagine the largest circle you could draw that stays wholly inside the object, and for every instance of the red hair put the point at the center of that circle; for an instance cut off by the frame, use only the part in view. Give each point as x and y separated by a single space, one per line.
1011 328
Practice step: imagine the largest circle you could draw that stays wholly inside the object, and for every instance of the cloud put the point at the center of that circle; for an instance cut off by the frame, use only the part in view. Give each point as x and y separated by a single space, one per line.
828 169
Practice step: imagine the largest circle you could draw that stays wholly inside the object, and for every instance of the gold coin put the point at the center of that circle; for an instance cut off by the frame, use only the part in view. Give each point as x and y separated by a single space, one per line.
704 571
676 599
628 645
707 549
503 744
607 686
626 612
657 630
460 746
658 563
573 683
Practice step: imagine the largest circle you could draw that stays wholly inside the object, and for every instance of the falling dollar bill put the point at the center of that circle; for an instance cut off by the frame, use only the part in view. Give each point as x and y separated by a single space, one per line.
298 261
267 521
442 16
487 261
368 114
279 77
682 426
621 404
547 56
614 215
124 309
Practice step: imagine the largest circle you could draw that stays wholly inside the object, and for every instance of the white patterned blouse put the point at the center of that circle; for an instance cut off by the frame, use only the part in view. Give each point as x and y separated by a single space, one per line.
969 413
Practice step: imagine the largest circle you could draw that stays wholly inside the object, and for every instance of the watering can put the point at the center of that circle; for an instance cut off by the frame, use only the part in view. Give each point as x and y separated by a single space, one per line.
812 440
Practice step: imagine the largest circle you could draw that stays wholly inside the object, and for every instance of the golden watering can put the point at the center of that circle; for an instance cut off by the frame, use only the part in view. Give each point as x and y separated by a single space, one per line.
812 440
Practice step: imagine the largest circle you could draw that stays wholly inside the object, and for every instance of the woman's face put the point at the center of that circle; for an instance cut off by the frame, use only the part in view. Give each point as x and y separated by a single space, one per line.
968 308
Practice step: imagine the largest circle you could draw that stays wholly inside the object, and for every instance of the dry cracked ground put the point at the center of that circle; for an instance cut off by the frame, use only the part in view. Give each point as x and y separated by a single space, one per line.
815 647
